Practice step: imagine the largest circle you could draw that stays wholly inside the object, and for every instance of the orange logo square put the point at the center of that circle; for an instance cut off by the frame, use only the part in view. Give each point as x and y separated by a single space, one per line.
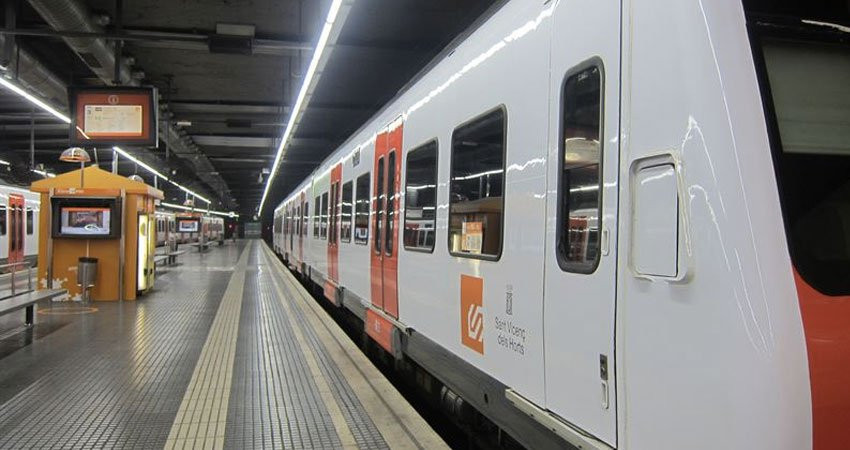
472 312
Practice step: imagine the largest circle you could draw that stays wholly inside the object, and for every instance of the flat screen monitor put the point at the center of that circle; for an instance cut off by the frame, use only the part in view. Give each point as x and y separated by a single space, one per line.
85 221
86 217
187 225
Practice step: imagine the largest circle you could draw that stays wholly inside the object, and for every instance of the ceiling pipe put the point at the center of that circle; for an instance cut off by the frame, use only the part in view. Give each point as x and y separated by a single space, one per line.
99 56
34 76
95 52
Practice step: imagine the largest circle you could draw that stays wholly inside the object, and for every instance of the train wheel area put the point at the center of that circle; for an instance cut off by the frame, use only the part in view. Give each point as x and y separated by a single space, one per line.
227 351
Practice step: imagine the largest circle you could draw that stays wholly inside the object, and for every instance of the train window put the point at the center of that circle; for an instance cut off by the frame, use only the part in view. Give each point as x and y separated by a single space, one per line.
305 218
420 198
379 208
30 221
391 196
580 193
332 213
477 187
2 220
361 210
804 66
298 220
316 226
324 213
345 216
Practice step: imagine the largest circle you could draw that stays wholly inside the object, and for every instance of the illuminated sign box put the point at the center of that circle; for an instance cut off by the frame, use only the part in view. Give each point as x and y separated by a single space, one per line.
106 116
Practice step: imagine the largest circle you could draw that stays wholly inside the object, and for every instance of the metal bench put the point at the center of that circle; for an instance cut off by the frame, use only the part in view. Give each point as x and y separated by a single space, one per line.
27 300
167 258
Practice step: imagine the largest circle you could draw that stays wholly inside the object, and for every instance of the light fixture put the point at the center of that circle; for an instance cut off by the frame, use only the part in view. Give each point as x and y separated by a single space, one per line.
75 155
4 163
135 177
23 93
150 169
132 158
230 214
300 102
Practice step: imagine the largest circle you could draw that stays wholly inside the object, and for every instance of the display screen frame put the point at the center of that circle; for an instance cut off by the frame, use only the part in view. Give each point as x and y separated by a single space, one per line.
112 97
62 207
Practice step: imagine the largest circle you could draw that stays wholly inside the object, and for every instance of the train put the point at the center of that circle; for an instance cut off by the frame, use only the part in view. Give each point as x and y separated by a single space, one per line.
19 210
608 224
188 227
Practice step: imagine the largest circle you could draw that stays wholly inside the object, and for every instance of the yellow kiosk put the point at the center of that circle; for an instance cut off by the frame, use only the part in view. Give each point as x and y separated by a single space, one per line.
93 215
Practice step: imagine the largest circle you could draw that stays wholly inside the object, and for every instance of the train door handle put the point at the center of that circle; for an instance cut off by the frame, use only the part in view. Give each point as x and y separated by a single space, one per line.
605 241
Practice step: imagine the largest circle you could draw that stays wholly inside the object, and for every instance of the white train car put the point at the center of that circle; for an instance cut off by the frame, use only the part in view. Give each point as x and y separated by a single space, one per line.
166 228
19 209
618 224
214 229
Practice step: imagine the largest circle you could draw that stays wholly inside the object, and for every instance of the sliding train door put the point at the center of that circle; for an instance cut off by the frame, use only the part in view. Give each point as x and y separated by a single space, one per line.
385 203
16 228
333 229
581 253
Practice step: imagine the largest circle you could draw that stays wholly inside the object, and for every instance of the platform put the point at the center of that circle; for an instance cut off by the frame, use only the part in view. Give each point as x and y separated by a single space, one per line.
229 351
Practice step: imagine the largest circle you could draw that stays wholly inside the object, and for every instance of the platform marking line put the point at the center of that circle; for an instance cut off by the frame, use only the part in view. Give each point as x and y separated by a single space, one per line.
342 430
202 417
399 424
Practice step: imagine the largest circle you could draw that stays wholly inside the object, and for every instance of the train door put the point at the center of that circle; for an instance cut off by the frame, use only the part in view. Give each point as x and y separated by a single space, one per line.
333 232
302 228
384 264
16 228
581 251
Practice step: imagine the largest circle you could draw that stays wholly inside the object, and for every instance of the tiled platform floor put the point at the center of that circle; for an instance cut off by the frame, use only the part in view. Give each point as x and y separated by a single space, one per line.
228 351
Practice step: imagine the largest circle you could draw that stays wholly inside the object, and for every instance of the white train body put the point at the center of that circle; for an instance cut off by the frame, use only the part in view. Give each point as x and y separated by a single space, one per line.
166 228
666 315
18 225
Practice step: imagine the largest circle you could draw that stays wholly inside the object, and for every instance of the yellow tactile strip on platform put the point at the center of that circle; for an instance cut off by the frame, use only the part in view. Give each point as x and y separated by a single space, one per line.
201 419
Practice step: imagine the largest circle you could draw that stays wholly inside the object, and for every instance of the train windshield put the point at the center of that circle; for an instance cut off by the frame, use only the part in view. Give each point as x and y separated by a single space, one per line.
805 75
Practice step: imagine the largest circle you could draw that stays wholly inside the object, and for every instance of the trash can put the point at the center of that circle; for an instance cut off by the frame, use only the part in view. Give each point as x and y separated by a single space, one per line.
86 274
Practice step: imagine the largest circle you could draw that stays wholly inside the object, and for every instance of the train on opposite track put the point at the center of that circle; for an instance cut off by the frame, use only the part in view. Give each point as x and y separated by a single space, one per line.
18 226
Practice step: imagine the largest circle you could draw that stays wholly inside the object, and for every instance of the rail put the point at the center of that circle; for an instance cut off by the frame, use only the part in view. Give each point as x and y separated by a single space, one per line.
10 278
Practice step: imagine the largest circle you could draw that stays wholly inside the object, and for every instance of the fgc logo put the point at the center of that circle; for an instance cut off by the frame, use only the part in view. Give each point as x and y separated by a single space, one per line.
472 312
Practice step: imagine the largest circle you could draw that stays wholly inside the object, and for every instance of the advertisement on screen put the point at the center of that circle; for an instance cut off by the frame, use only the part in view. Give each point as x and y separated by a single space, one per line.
85 221
187 225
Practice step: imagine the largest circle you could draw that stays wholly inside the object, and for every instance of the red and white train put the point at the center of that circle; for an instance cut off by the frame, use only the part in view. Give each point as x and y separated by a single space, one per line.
616 224
186 227
18 226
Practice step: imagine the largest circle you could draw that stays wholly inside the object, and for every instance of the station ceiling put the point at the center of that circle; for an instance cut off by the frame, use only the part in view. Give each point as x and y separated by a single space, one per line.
226 105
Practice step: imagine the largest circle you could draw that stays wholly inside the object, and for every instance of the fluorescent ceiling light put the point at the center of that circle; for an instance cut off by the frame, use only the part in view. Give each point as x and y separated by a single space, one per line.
135 160
4 163
43 173
300 103
23 93
186 208
156 173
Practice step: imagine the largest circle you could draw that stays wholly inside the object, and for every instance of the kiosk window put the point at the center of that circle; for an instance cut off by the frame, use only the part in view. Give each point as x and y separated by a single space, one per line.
580 196
420 198
361 210
477 187
345 216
